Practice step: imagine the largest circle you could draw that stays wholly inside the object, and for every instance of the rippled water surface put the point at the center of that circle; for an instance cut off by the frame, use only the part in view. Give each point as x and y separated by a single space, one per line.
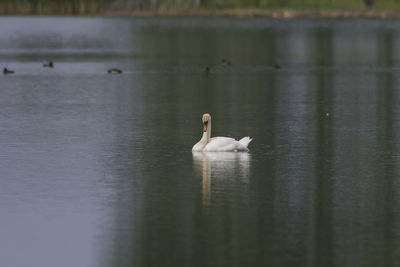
97 169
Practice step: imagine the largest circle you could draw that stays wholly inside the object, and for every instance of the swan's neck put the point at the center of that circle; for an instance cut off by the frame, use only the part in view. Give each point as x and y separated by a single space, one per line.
208 132
204 139
206 136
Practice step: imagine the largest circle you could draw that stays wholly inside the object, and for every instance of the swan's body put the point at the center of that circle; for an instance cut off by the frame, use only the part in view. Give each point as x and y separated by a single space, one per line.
222 144
219 144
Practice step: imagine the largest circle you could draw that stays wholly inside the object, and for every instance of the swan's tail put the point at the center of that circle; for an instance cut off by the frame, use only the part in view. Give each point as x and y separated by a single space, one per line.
245 141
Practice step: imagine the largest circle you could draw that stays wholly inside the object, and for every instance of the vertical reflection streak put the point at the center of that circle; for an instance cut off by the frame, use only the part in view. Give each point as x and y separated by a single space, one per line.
324 150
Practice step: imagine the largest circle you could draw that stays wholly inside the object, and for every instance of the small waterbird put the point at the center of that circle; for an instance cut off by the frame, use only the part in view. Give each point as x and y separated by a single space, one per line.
49 65
226 62
114 71
7 71
207 70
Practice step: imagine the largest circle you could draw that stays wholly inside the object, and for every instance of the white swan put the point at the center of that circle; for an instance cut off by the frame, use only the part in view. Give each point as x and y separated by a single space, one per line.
221 144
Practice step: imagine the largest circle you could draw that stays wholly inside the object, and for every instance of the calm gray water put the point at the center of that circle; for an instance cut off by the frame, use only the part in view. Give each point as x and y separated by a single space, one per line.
96 170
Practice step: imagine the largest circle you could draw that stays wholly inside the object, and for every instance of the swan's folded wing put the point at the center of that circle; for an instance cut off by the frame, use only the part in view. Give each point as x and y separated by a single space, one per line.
224 144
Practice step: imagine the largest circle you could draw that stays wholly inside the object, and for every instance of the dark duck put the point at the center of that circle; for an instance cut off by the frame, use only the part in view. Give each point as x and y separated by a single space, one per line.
114 71
226 62
49 65
7 71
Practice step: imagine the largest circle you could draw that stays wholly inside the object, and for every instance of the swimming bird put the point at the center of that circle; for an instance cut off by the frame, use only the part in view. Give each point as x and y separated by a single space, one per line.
226 62
207 70
7 71
49 65
114 71
219 144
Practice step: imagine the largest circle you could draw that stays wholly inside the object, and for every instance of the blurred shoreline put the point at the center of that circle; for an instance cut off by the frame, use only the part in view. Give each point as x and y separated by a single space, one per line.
244 13
240 13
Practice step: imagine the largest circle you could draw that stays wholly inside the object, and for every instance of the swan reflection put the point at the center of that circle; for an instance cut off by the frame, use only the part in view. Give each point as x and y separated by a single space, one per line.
220 165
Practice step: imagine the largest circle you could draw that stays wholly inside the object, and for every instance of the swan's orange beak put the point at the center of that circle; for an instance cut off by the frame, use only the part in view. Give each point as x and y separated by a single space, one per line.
205 126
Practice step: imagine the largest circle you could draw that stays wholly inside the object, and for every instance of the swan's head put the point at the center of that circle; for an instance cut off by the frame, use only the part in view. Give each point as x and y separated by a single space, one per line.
206 120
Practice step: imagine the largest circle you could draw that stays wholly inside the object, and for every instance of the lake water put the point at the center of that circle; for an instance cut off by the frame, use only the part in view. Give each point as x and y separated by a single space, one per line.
97 169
